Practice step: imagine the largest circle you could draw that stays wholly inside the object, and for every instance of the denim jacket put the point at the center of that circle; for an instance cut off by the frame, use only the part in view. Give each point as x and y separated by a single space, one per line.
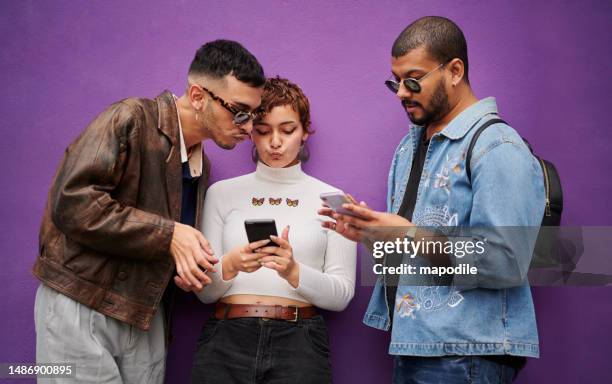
495 316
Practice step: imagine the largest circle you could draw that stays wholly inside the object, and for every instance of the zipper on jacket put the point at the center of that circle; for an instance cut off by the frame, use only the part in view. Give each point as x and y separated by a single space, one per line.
547 211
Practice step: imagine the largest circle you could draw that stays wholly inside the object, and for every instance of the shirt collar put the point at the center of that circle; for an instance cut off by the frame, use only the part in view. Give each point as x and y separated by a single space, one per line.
195 160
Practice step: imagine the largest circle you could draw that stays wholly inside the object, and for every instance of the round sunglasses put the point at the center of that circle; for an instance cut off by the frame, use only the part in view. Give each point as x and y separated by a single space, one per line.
412 84
240 117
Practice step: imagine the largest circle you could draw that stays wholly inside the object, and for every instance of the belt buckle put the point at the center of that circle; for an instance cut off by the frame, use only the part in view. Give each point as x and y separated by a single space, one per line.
297 311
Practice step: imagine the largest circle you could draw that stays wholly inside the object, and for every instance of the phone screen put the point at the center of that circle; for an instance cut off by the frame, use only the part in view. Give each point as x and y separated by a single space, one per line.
260 229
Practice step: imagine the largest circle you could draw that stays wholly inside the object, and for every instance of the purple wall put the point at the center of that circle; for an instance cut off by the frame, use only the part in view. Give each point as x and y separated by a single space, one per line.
547 63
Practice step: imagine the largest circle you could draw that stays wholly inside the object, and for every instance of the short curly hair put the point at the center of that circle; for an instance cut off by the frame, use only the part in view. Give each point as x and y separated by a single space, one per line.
279 92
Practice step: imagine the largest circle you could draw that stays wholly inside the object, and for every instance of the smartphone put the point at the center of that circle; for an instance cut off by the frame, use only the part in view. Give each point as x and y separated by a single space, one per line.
260 229
336 199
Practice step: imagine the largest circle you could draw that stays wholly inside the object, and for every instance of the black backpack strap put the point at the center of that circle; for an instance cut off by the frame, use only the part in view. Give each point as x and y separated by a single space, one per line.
528 146
468 157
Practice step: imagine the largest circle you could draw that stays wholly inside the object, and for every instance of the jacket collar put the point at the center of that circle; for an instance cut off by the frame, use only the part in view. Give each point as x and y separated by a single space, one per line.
167 123
168 117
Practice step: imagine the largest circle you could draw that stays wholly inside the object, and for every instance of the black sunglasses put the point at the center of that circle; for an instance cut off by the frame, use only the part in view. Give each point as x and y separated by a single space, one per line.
412 84
240 117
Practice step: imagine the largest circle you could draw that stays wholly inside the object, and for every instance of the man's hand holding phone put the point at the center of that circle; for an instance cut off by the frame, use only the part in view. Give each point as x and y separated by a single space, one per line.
358 222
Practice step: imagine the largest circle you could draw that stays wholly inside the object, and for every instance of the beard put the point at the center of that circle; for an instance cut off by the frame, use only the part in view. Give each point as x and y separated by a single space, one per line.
224 143
438 107
214 130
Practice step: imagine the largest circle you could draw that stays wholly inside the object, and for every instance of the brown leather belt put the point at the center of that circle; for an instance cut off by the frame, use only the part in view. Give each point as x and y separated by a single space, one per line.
289 313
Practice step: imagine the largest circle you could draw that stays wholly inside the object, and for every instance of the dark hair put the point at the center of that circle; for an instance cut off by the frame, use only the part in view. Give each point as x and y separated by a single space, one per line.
223 57
441 37
279 92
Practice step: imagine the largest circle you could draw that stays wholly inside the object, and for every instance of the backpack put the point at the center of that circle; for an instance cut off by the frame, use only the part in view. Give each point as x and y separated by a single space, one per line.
546 251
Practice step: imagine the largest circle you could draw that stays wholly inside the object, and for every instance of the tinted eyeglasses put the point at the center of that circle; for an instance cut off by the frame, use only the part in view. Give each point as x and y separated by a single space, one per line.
412 84
240 117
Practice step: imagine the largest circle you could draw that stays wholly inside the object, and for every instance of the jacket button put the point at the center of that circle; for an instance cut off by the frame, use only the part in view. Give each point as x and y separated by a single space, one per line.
122 275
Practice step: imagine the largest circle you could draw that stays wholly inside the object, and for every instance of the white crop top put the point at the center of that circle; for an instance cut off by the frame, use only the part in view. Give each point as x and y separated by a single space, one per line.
327 260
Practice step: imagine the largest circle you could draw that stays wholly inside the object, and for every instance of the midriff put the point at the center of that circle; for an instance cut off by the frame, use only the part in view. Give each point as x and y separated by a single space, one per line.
262 300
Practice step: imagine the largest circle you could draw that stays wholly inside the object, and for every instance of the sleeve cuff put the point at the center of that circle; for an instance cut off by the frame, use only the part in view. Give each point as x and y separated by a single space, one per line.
308 278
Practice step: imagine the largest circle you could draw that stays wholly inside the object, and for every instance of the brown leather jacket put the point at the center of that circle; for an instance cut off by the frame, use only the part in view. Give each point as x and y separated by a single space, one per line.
106 231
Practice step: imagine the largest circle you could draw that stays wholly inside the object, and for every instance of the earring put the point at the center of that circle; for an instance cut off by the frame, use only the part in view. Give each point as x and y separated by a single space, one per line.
304 154
254 155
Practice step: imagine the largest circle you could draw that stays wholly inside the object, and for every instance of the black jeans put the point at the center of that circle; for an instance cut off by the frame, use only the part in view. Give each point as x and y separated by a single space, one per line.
258 350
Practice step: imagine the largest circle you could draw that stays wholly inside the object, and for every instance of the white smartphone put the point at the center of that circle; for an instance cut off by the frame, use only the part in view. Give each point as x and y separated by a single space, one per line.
335 200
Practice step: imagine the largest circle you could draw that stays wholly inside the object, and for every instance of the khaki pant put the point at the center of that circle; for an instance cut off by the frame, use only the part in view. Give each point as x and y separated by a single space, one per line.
103 349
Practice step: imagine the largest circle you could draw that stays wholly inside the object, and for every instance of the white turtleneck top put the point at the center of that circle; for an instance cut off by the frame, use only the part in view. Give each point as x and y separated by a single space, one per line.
326 260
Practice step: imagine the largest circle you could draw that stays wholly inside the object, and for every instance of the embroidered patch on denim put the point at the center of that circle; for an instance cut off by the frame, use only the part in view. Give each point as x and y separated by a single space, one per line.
435 298
435 216
405 306
442 180
427 299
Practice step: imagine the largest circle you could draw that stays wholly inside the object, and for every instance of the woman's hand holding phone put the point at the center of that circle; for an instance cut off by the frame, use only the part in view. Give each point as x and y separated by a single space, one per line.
280 258
240 259
243 259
